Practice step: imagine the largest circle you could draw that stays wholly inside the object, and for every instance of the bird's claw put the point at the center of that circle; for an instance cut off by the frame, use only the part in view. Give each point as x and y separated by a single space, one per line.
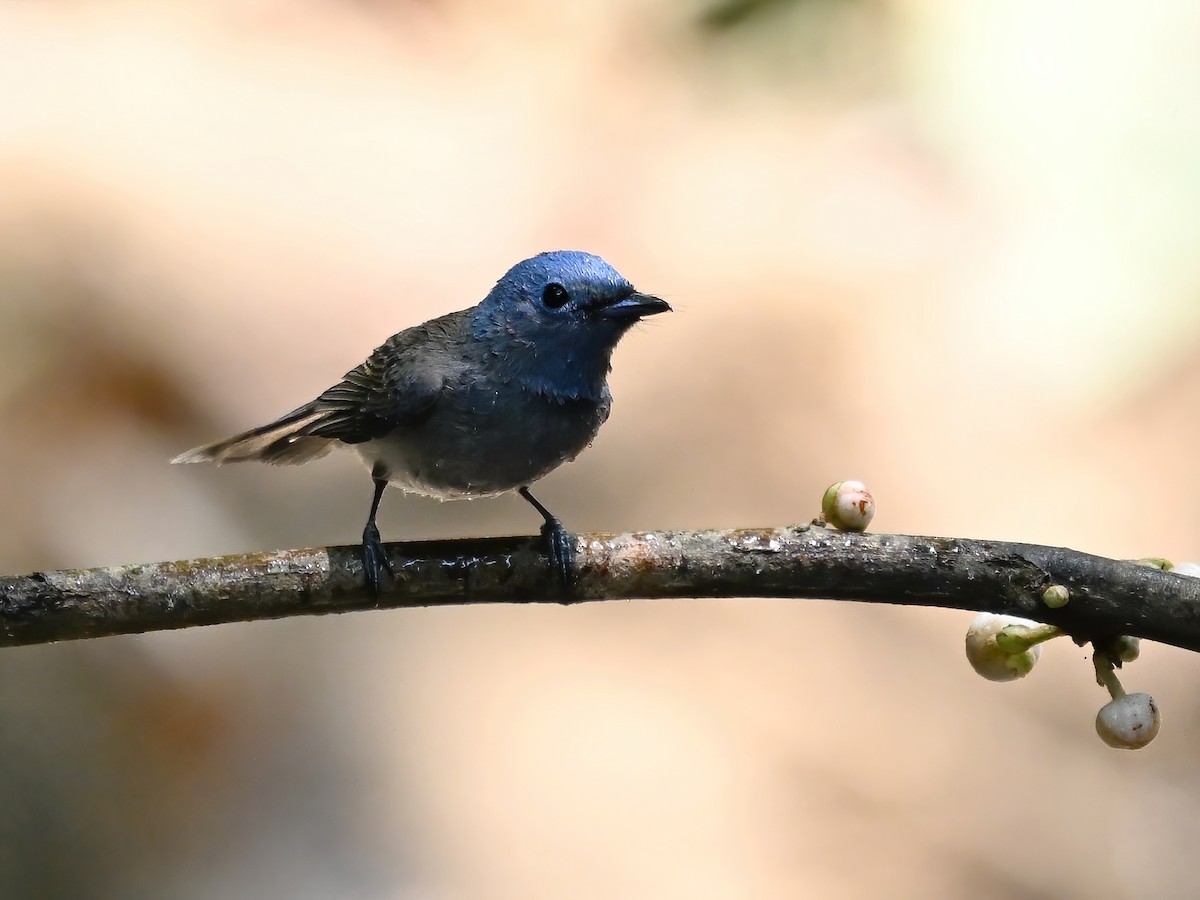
560 548
374 558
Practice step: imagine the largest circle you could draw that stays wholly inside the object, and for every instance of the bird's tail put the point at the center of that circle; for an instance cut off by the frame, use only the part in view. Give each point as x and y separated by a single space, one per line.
284 442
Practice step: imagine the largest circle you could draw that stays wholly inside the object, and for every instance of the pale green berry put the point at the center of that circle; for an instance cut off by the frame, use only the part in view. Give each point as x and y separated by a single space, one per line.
1056 596
1126 648
848 506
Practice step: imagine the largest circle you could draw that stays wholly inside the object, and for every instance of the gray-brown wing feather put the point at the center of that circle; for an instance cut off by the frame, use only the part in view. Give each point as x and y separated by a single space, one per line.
397 386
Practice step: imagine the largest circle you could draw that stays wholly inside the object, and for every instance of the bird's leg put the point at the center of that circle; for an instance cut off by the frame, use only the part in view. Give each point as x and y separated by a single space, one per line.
560 546
374 557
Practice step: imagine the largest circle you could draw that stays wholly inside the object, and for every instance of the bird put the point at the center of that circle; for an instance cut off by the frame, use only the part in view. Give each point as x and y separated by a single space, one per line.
474 403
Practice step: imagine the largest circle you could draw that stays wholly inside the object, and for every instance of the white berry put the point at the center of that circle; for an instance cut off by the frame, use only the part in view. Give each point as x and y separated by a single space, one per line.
988 659
1129 722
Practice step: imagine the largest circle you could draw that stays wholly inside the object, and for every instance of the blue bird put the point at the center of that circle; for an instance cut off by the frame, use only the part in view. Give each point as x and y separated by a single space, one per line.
474 403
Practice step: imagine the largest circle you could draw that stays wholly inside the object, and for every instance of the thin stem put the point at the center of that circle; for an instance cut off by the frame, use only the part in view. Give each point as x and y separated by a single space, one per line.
1106 675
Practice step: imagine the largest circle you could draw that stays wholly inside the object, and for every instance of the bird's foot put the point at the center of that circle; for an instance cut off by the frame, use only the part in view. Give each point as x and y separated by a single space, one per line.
374 558
560 548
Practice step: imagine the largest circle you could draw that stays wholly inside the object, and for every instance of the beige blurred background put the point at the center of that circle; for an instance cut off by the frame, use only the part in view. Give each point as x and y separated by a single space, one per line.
945 247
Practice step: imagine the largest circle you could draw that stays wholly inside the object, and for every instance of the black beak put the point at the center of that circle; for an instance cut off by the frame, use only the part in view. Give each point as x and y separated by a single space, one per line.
635 306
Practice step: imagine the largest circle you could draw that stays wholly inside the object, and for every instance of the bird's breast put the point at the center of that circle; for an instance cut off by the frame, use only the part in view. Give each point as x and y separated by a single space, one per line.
483 441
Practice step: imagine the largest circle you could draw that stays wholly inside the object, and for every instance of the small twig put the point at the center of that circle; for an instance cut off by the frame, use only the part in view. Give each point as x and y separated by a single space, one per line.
1108 597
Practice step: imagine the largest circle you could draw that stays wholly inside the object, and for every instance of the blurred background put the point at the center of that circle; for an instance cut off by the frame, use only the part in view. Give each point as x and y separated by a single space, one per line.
948 248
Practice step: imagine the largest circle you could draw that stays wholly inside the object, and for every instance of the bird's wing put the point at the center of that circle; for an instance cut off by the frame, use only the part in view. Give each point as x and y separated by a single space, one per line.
393 388
397 386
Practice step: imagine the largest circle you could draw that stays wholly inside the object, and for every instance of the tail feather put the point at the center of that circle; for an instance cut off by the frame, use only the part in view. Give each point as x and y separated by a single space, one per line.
283 442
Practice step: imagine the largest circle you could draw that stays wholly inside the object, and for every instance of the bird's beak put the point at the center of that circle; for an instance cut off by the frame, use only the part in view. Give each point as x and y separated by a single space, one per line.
635 306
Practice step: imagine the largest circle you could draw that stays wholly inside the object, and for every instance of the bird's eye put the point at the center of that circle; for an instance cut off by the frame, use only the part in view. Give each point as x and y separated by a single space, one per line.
555 296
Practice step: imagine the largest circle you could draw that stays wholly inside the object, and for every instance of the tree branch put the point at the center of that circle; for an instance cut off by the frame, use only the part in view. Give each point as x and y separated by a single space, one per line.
1107 597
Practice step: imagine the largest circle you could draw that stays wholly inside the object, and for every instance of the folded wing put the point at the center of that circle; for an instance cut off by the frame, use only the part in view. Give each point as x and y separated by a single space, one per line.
396 387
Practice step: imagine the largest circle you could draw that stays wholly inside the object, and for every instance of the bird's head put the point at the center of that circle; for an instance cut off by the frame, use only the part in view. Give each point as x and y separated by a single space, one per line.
557 317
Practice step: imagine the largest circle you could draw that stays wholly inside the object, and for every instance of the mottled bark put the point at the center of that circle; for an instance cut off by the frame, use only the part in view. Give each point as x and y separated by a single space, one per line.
1107 597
